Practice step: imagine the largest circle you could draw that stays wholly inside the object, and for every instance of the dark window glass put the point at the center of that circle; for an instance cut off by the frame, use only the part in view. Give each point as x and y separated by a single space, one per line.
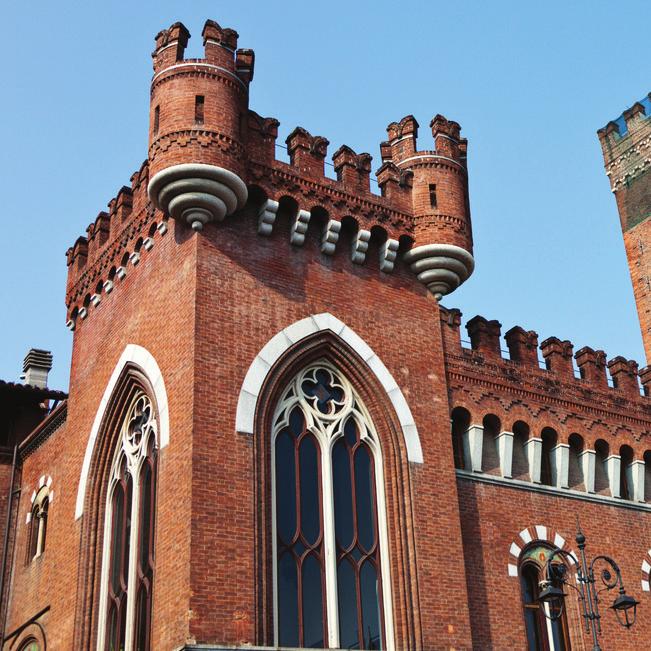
285 487
432 195
287 601
370 607
198 109
301 583
343 494
145 552
360 622
312 598
364 491
309 481
156 119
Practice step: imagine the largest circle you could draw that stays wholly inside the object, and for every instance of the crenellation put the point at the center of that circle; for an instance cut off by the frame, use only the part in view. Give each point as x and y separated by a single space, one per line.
592 366
245 65
262 134
522 345
395 185
219 42
307 152
485 336
170 46
558 357
624 373
353 170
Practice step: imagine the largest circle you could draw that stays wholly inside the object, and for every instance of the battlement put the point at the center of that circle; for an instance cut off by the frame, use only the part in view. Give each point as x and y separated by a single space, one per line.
553 358
626 144
402 150
210 157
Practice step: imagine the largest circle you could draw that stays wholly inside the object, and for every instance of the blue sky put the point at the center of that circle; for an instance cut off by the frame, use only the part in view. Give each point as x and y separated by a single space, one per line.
530 83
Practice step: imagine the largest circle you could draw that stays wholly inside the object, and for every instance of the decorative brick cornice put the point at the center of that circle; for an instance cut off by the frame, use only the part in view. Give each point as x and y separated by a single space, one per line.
200 137
280 179
631 164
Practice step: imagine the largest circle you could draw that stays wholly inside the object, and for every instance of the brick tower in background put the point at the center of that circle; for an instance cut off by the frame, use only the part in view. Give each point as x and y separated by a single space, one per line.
626 145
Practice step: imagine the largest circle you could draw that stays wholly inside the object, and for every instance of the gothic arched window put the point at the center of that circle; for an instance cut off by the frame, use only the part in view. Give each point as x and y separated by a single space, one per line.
543 634
128 552
331 569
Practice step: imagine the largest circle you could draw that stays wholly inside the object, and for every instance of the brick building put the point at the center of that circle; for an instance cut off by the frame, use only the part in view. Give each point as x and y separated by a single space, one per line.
275 435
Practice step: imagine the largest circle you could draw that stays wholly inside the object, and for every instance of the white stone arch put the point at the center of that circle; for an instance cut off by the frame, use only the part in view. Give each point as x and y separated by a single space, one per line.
279 343
141 357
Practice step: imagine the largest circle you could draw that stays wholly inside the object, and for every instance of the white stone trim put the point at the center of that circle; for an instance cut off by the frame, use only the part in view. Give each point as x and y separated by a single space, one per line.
141 357
360 246
646 569
388 253
279 343
299 227
533 534
267 217
330 237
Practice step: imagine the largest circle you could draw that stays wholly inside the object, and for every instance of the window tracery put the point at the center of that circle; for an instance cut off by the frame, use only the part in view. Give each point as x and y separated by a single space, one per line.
330 546
128 552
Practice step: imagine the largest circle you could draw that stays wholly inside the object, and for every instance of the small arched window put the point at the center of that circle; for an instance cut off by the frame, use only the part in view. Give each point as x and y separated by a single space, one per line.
542 633
38 523
128 552
331 570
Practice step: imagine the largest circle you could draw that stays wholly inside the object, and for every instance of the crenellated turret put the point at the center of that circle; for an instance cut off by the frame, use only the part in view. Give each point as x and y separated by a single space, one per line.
442 251
198 110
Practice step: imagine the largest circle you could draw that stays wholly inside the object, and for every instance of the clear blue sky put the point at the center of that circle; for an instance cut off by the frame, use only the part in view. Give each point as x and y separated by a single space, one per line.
529 82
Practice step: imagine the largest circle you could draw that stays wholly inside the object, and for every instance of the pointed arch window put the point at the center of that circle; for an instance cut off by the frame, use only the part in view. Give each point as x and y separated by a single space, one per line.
128 551
331 568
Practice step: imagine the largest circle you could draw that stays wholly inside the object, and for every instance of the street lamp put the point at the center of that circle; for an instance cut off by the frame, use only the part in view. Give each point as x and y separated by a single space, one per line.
553 597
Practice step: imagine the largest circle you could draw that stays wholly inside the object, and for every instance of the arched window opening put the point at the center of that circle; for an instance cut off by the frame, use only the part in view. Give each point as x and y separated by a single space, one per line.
38 524
460 423
626 490
575 470
542 633
547 465
128 552
330 547
601 483
520 464
647 476
490 458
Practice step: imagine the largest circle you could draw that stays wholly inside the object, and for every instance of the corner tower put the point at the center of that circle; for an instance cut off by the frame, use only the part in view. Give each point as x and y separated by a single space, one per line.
196 153
626 145
442 252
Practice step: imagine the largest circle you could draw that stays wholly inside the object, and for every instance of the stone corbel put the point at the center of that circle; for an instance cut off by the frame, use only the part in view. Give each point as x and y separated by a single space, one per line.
330 237
360 246
299 228
267 217
388 253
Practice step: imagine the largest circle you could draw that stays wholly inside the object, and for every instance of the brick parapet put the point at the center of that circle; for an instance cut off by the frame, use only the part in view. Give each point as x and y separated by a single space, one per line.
485 383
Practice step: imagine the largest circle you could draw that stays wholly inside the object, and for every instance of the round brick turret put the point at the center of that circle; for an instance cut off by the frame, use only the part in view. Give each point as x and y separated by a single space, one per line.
196 153
442 251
